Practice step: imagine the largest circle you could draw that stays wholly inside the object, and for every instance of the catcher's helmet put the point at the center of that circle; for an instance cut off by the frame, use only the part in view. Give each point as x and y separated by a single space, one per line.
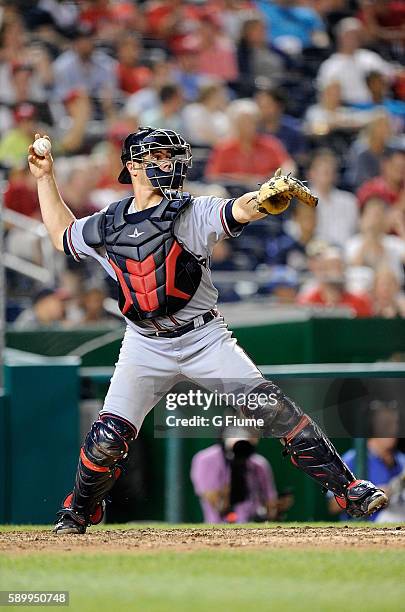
145 141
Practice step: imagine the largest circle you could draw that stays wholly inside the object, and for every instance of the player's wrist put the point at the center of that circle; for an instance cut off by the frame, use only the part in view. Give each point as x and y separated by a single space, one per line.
47 177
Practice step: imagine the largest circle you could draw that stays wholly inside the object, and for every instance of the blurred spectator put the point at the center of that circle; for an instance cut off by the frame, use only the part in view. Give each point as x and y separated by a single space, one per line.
366 153
168 114
329 115
291 26
186 72
256 58
234 484
384 24
21 193
388 299
337 212
289 247
389 185
206 121
249 157
14 144
20 81
377 84
274 121
76 191
331 291
216 51
283 285
351 64
47 310
91 303
385 467
373 246
132 74
234 15
171 20
222 257
147 98
84 68
108 157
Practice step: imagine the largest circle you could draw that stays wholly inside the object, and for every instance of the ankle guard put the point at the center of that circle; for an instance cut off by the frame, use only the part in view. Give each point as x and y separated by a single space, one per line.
312 452
105 445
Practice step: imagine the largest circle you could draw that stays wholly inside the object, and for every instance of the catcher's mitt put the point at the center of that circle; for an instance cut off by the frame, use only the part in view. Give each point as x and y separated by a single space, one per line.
275 196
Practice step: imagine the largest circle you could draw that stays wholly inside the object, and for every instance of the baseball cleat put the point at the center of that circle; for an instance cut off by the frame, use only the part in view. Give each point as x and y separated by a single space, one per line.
69 522
362 499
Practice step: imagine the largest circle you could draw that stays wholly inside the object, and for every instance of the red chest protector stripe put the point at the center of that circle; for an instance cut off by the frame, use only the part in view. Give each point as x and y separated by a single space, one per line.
124 287
142 275
171 261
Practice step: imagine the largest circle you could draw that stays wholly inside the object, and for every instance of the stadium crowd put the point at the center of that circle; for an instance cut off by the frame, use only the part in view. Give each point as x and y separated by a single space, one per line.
316 87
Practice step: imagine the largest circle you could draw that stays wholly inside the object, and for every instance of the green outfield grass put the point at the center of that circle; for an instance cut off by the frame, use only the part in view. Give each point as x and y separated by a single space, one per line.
216 579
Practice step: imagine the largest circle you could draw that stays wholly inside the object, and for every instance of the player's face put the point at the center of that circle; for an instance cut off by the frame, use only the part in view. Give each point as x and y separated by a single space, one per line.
161 157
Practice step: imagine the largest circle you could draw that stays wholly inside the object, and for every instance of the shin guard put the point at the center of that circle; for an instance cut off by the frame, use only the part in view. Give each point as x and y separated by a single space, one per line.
105 445
312 452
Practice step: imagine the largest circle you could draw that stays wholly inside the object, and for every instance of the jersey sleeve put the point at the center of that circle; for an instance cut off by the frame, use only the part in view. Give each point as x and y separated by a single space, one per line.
208 220
74 243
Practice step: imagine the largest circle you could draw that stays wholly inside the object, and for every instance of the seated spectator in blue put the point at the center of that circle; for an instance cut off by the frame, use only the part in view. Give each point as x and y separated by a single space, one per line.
289 247
185 71
385 467
233 482
292 27
283 285
377 84
366 153
84 67
273 120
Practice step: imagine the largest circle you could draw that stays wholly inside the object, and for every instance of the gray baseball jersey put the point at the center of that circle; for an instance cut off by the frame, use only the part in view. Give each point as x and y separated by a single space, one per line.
199 228
148 366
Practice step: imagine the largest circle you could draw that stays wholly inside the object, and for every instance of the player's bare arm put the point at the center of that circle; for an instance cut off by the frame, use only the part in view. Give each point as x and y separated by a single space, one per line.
55 214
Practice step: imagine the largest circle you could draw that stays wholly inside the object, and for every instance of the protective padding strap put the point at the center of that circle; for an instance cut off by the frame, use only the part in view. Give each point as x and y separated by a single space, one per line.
312 452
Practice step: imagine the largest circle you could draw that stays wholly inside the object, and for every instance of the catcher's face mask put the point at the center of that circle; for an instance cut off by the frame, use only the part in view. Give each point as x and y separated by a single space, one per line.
165 172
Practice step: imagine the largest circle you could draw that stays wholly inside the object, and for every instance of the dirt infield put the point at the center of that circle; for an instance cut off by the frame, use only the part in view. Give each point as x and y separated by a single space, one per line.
178 539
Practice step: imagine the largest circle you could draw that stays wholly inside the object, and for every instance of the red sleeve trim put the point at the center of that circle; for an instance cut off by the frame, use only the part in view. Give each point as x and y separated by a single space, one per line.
224 223
72 249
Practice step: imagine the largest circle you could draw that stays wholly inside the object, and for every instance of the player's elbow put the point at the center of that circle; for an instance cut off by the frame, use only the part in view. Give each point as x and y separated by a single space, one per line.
57 241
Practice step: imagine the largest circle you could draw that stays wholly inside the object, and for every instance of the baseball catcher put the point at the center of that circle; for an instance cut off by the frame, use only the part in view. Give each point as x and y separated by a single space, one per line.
156 244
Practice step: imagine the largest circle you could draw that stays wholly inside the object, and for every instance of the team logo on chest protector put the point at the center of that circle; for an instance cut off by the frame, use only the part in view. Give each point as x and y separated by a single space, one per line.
156 275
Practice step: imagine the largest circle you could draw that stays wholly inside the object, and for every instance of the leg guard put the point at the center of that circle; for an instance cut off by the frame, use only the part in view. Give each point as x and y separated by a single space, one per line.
277 411
309 448
105 445
312 452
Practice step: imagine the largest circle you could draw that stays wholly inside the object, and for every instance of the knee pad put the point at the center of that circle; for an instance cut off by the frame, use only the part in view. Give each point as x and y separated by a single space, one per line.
107 441
277 411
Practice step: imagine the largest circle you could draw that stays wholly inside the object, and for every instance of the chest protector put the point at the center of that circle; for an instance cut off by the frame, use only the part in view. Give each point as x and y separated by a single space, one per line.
156 275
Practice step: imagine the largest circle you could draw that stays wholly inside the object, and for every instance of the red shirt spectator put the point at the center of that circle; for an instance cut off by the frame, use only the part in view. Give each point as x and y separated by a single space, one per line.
132 75
377 188
360 304
170 21
389 186
21 195
261 159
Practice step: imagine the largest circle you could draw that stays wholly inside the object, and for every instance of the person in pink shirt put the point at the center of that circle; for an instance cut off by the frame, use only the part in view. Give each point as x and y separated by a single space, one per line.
234 484
217 53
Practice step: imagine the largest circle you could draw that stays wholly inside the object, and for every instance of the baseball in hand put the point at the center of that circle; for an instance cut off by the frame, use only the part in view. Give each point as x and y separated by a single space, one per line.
42 146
